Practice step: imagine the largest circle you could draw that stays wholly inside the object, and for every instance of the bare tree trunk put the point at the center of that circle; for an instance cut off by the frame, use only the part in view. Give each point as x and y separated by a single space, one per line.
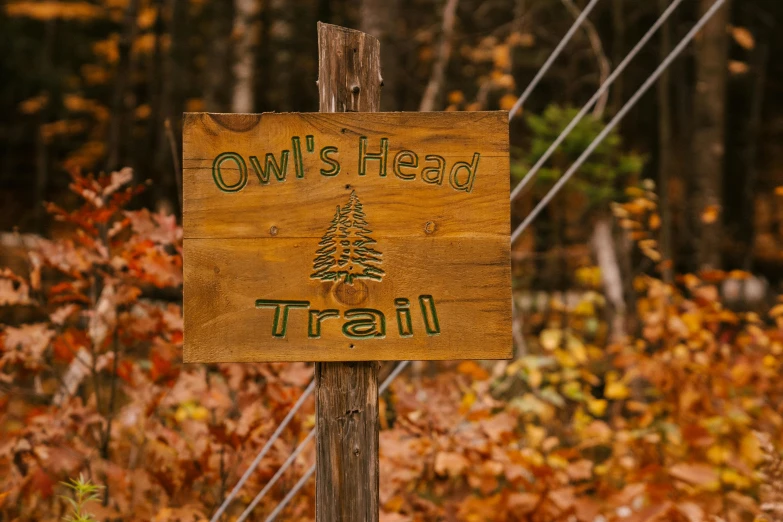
618 50
281 35
604 67
380 19
346 394
172 96
41 146
245 35
750 161
435 85
665 150
217 77
122 79
709 135
611 275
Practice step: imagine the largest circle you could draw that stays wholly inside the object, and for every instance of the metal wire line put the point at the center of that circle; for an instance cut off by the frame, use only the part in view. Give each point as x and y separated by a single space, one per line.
600 92
616 120
401 366
253 465
299 485
620 115
551 60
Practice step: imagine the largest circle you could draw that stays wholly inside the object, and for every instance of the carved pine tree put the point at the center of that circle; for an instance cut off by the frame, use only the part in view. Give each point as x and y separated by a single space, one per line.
325 259
345 251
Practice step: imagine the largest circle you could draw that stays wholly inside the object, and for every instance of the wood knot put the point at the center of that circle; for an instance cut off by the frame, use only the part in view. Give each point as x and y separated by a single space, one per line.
351 294
355 89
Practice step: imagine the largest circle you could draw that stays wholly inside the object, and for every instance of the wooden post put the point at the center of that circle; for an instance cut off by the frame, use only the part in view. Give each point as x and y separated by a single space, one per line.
346 483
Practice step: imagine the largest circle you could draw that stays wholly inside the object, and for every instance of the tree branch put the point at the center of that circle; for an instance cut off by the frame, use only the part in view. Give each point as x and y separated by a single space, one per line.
444 52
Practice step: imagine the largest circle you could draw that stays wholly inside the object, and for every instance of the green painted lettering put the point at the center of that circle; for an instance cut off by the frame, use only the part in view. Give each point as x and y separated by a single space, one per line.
434 175
314 321
365 323
281 313
403 317
217 173
335 170
467 184
405 159
365 156
296 144
270 165
431 324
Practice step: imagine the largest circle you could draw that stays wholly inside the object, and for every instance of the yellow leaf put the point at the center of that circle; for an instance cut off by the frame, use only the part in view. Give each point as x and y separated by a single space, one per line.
200 413
521 39
551 338
504 81
456 97
737 67
194 105
534 378
54 10
507 102
33 105
501 56
710 214
750 449
743 37
776 311
146 18
718 454
616 390
779 191
597 406
143 112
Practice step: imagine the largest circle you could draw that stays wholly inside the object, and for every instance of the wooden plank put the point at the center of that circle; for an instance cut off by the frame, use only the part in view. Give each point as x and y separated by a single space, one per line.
400 207
346 394
263 243
246 248
224 324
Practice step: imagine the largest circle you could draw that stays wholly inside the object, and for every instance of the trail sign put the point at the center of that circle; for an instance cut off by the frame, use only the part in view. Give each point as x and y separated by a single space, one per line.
346 237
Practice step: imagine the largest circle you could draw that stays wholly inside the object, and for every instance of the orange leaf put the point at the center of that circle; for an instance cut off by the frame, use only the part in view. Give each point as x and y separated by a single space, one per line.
744 38
697 474
710 214
450 464
507 102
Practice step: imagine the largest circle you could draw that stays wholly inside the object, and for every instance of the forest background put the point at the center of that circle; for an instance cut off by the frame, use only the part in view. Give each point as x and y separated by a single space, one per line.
648 327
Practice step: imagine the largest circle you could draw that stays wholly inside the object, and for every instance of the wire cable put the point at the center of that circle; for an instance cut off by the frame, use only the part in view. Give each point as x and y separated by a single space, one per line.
616 120
308 391
290 460
600 92
551 60
529 219
299 485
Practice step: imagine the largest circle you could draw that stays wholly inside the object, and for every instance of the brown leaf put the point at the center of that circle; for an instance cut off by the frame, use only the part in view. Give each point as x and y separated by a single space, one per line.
450 464
522 503
743 37
695 473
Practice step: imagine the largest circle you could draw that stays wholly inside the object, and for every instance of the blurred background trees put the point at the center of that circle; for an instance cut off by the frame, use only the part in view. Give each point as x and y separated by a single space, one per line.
646 379
91 84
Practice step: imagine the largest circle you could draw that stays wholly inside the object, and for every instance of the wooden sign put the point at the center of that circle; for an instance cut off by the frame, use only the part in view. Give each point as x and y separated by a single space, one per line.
346 237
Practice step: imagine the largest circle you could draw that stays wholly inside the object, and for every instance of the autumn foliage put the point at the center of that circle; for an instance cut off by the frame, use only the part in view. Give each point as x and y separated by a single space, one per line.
681 421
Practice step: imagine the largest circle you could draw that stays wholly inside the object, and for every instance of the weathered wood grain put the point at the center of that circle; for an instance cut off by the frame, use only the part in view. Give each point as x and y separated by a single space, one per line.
262 240
346 402
401 207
